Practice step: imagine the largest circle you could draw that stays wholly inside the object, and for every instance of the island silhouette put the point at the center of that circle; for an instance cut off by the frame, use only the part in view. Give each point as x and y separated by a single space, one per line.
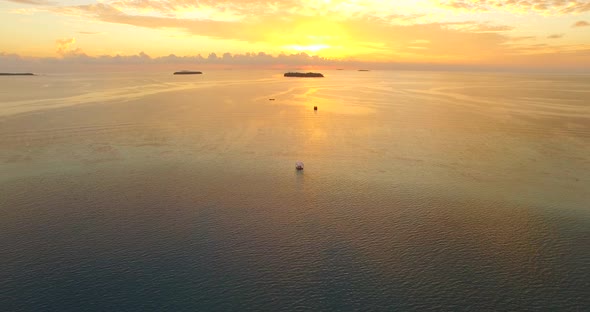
187 72
17 74
306 75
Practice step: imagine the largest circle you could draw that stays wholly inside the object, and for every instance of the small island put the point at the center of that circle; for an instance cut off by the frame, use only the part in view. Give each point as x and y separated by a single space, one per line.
17 74
187 72
306 75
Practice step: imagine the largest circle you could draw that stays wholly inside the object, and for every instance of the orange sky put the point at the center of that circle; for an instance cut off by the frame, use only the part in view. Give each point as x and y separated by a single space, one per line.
532 33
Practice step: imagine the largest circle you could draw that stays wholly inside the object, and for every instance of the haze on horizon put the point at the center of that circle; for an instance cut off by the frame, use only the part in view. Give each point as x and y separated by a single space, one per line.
532 34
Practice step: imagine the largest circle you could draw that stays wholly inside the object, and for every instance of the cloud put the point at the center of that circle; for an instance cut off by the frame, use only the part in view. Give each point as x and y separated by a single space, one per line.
33 2
555 36
64 47
225 13
576 59
477 27
90 33
233 10
552 7
463 5
26 11
364 32
522 38
394 31
402 11
142 61
581 24
64 44
203 27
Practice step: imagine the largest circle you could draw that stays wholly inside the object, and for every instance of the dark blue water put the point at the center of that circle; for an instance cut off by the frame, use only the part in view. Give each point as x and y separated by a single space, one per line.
114 240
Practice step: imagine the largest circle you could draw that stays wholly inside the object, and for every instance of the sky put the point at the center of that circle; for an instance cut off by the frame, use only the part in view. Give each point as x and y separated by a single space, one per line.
521 34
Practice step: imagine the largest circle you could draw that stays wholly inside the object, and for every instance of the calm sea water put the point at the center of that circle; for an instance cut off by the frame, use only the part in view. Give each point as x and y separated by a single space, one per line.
421 191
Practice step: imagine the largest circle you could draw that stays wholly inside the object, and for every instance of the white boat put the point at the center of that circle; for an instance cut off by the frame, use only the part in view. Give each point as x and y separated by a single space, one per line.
299 165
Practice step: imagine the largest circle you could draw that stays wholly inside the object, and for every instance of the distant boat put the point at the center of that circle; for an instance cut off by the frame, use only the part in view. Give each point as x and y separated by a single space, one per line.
304 75
187 72
299 165
364 70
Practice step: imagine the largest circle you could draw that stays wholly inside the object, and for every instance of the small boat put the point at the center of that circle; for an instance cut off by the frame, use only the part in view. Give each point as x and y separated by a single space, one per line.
299 165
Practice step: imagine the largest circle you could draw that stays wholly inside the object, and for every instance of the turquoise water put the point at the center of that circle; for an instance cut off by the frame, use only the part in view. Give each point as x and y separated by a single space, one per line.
421 191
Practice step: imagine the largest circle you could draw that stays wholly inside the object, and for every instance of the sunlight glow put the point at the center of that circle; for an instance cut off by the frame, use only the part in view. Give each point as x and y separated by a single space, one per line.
411 31
309 48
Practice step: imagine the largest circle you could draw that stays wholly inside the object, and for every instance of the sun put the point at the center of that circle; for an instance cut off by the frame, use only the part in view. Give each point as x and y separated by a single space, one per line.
313 37
324 37
314 48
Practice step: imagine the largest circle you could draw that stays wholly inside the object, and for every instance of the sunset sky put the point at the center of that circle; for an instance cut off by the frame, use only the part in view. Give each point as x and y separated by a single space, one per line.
488 33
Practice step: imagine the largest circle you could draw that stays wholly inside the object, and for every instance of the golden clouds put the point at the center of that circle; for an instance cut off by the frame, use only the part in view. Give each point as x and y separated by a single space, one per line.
33 2
65 47
552 7
417 31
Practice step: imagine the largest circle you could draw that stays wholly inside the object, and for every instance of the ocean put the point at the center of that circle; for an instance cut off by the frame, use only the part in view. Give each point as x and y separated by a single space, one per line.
442 191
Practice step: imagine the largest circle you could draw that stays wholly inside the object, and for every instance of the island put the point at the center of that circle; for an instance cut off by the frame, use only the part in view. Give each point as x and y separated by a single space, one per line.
187 72
306 75
17 74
